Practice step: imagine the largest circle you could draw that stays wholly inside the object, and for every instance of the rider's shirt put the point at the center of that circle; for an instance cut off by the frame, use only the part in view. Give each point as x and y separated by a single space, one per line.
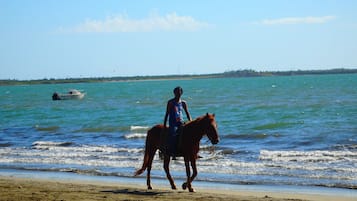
176 115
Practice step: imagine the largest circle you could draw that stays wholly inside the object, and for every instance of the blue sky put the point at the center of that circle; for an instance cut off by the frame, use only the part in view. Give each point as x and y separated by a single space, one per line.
86 38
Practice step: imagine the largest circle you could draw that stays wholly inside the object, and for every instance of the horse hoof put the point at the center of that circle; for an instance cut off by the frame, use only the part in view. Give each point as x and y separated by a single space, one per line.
191 190
184 186
173 188
149 188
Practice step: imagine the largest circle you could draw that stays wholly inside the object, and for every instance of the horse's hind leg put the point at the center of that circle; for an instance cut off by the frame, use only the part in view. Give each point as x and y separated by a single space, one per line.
148 177
167 170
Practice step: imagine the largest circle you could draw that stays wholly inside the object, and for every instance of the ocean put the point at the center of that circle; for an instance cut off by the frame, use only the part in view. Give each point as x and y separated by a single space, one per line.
289 130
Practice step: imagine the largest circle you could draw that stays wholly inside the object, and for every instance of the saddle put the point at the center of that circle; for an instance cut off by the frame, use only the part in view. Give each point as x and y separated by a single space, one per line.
165 146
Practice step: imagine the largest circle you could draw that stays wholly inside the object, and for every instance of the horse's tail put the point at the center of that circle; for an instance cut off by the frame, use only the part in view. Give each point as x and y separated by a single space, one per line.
146 158
152 140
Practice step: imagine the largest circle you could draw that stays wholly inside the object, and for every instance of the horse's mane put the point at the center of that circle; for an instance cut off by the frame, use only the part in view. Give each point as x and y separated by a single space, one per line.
198 119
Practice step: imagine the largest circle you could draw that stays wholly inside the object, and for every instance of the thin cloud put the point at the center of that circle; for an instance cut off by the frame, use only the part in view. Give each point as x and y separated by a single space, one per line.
298 20
115 24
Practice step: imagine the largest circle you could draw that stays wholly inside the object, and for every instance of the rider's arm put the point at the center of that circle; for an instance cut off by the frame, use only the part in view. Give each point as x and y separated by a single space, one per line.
186 110
167 112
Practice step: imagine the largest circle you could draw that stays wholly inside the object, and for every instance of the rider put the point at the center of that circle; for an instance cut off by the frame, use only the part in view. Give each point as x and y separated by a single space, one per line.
174 109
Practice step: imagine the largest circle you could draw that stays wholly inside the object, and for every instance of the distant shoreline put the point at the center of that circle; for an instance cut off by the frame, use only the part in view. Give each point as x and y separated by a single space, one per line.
228 74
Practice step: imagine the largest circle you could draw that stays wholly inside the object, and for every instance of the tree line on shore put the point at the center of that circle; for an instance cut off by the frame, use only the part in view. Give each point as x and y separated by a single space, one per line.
227 74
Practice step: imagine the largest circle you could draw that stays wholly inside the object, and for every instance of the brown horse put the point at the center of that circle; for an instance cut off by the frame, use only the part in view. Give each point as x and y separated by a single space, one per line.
190 142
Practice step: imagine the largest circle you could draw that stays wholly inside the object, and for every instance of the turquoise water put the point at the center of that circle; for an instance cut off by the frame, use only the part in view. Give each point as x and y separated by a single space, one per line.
297 130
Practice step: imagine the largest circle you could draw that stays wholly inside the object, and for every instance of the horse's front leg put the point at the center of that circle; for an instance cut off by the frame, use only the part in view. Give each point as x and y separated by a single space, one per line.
167 170
194 169
189 180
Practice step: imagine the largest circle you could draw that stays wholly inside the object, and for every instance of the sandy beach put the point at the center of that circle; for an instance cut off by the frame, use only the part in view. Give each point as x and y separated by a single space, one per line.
17 188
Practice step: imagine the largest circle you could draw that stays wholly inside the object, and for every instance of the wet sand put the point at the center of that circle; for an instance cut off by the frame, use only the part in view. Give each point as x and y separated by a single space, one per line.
23 189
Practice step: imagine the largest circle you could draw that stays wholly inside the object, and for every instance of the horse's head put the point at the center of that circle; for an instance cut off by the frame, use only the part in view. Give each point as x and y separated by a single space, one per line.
211 129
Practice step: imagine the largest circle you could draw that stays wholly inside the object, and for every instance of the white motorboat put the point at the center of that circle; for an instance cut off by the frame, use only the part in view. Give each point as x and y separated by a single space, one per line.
72 94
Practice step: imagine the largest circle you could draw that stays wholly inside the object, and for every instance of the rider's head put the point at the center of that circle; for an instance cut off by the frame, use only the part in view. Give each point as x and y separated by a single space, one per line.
178 91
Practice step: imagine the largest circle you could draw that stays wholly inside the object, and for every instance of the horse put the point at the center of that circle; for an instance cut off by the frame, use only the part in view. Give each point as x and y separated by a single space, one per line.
192 133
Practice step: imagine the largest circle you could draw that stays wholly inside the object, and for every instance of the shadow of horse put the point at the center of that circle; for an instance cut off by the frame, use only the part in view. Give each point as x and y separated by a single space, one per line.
133 192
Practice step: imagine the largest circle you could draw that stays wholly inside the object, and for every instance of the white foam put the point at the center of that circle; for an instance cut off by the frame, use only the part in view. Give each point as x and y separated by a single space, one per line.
142 128
308 156
87 149
323 163
50 143
46 153
135 135
270 163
